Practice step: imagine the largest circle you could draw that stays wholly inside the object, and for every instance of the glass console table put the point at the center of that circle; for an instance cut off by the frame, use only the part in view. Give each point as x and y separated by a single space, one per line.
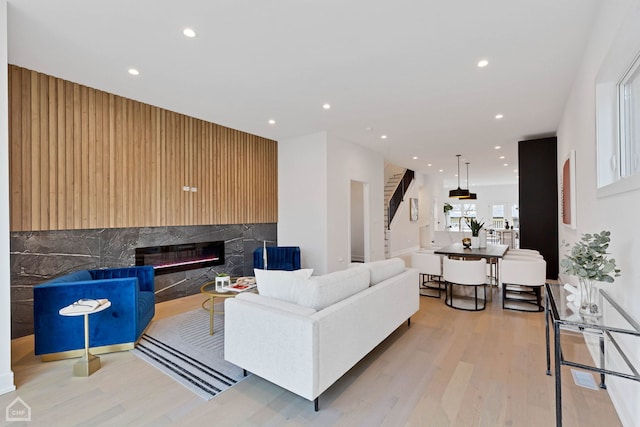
613 331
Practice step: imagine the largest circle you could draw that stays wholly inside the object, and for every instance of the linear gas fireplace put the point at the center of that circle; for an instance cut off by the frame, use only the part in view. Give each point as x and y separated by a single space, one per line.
173 258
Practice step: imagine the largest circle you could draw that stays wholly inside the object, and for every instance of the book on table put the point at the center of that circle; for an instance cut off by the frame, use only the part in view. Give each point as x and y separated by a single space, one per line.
85 305
239 287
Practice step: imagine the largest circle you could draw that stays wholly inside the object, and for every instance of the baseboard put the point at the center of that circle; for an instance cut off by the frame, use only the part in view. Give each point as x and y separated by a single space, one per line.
6 383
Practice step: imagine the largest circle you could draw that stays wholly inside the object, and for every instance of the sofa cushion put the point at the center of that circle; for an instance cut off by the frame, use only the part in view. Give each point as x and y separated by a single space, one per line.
280 284
382 270
323 291
276 303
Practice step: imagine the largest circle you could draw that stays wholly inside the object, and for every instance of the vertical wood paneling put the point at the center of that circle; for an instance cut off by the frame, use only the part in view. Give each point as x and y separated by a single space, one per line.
82 158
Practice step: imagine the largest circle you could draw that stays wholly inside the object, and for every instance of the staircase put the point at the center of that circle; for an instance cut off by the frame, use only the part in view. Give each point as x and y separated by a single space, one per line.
393 175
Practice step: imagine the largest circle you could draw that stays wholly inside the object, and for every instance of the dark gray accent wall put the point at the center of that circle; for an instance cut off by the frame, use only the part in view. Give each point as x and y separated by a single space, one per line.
39 256
538 199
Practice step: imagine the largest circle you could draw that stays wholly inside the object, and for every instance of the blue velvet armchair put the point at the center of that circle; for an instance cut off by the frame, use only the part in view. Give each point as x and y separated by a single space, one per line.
131 292
278 258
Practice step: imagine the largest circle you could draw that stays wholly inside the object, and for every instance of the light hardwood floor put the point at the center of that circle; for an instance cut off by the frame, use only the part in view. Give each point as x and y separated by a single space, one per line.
449 368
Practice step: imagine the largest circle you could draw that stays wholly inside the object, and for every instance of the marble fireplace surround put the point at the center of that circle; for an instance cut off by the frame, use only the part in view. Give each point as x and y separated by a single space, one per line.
37 256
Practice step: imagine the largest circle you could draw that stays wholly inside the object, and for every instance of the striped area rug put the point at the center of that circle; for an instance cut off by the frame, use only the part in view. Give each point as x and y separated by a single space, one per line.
181 347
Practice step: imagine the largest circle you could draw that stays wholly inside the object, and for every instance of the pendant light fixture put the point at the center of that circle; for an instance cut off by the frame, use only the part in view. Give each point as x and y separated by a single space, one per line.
471 196
458 192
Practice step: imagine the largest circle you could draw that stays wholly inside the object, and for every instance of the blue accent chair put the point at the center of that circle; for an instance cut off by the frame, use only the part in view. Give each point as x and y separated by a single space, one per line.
131 292
278 258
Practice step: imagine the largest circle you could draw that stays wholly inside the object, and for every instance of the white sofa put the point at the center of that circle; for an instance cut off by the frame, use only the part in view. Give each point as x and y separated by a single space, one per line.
313 332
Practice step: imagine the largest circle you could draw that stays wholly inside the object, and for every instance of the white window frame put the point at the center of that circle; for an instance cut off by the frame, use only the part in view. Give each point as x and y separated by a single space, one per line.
615 151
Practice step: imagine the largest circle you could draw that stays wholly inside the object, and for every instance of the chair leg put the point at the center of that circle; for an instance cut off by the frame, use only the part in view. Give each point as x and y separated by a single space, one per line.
315 404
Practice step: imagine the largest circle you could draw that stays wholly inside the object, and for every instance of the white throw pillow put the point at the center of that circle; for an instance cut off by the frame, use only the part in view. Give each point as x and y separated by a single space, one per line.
323 291
281 284
382 270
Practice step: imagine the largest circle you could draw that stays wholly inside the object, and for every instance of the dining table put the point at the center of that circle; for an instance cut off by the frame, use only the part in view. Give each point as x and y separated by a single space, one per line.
492 253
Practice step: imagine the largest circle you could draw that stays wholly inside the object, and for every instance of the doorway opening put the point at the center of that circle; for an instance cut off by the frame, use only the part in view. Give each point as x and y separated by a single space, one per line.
359 222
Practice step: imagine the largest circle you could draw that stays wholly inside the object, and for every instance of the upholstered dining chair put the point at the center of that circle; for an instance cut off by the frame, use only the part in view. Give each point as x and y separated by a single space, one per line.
465 274
429 265
524 252
522 281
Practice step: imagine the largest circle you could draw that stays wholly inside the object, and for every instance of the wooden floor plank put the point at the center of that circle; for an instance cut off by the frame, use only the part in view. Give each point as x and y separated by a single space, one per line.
449 368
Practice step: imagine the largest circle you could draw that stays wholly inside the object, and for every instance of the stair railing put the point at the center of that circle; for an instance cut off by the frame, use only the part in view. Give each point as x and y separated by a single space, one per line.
398 195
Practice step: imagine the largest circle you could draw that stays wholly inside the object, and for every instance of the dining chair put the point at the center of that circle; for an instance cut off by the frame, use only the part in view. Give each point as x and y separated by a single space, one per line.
522 281
521 251
465 274
429 265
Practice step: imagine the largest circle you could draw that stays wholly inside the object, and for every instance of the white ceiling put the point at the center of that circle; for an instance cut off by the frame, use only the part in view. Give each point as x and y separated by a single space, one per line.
403 68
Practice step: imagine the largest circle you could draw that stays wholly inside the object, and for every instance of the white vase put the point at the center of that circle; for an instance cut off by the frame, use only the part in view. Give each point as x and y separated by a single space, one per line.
475 242
483 238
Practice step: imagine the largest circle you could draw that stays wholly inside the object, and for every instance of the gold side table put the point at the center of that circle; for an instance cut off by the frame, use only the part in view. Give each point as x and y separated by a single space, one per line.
89 363
209 289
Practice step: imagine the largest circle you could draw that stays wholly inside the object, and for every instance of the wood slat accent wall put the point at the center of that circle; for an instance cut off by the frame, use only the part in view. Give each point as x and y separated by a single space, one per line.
82 158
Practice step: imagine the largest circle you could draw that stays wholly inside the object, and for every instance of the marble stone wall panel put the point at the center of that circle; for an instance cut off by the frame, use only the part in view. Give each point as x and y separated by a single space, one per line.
39 256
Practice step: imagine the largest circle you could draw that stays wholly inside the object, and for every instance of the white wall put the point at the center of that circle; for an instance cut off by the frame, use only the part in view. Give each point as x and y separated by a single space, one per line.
314 198
617 213
404 235
302 196
347 162
6 375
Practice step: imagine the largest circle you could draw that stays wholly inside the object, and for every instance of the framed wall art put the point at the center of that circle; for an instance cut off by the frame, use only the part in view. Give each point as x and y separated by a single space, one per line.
413 209
568 189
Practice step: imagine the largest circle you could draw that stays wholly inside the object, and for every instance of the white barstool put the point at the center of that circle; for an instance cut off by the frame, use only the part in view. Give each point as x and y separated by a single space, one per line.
464 273
522 281
429 265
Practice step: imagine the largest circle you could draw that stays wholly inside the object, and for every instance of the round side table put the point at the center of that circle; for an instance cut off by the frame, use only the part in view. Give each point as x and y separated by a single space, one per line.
89 363
209 289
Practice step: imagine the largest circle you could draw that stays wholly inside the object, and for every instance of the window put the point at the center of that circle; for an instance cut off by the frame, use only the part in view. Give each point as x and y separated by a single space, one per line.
461 214
629 120
497 216
618 112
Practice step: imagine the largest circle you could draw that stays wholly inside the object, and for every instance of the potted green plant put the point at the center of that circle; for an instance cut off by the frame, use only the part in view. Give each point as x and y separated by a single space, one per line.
475 227
589 261
222 280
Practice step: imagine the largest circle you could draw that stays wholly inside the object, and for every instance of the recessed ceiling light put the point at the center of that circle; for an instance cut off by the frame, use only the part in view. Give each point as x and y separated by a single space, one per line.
501 157
415 157
441 170
497 147
189 32
499 116
133 71
326 106
483 63
368 129
506 164
272 122
429 164
383 136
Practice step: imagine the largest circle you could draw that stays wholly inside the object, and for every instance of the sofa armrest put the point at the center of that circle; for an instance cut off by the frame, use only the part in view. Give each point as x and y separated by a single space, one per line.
287 344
